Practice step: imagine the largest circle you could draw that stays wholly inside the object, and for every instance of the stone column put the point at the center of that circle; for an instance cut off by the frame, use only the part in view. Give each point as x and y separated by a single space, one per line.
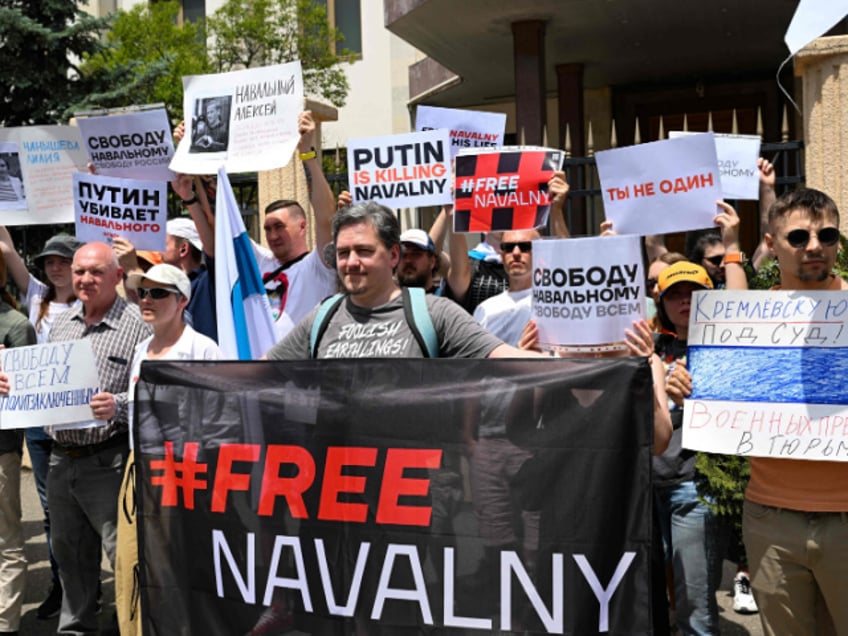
528 41
822 66
290 182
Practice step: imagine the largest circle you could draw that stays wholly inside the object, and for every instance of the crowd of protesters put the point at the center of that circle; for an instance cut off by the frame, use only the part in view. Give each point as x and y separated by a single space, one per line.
137 306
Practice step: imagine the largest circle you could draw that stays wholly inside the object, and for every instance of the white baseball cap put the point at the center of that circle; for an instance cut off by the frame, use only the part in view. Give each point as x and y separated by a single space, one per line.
163 274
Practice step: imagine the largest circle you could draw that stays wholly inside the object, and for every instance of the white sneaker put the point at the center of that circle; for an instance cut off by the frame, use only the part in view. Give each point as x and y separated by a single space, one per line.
743 599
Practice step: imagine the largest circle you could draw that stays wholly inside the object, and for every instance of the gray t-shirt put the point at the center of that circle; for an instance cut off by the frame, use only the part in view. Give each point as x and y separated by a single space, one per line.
382 332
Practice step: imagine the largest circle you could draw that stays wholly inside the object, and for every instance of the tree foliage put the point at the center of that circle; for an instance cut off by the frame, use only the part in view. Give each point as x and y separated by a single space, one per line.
249 33
39 41
147 53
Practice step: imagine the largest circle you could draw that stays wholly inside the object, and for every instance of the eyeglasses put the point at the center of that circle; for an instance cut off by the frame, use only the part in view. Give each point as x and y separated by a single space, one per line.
156 293
652 282
827 236
523 246
715 260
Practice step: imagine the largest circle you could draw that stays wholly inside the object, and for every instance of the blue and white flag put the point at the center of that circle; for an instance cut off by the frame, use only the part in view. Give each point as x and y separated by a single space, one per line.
245 326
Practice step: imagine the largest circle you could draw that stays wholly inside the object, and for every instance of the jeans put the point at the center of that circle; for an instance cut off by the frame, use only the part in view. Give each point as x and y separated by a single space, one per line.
694 540
39 444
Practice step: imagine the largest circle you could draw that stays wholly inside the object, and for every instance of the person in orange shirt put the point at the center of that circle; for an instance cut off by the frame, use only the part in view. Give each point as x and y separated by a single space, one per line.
795 518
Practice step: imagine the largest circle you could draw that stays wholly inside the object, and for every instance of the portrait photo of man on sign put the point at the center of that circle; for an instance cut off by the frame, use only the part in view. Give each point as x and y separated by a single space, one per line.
211 124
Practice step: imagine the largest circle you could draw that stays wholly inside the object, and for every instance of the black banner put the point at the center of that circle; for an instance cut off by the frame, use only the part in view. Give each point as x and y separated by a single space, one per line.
395 497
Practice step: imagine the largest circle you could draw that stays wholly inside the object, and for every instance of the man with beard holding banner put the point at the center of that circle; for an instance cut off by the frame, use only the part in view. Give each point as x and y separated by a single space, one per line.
795 511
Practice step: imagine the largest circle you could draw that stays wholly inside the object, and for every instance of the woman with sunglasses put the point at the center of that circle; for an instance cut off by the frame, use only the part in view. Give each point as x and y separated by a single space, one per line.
163 294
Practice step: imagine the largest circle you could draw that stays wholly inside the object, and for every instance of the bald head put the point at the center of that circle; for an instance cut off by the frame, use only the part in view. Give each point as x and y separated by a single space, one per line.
96 274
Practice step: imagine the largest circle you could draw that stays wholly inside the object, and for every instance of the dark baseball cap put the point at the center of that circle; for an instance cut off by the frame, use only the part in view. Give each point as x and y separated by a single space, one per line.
63 245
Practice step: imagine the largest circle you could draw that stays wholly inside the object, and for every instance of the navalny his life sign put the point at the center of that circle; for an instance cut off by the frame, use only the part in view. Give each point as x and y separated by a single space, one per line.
408 170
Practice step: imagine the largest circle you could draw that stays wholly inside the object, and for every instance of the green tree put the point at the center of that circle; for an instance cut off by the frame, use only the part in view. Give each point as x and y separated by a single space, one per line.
39 41
147 53
249 33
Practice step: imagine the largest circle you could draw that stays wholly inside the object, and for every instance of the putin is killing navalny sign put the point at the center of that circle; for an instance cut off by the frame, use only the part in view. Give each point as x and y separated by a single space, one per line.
333 492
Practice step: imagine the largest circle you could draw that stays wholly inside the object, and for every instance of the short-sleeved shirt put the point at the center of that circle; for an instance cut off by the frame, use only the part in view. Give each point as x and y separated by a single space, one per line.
308 282
506 314
113 341
191 345
35 293
383 332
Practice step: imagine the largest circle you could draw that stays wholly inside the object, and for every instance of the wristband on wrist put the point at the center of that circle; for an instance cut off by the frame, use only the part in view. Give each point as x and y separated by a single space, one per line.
733 257
191 201
306 156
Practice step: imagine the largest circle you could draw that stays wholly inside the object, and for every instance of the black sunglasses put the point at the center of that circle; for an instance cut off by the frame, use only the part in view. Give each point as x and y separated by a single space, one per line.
156 293
715 260
523 246
827 236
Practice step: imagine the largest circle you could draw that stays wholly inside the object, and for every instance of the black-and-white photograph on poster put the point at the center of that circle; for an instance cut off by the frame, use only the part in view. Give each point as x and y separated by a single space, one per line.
11 180
211 124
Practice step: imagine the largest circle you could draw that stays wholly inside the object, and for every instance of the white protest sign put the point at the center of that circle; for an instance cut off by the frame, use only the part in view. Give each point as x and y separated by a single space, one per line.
662 186
587 291
109 207
132 145
737 160
50 384
408 170
813 18
243 120
37 164
765 374
468 128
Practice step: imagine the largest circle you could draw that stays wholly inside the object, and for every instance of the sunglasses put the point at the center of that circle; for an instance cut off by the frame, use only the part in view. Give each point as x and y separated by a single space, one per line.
523 246
715 260
156 293
827 236
652 283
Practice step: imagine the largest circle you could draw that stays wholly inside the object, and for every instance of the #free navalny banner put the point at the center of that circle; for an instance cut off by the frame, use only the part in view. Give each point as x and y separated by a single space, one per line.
335 492
503 189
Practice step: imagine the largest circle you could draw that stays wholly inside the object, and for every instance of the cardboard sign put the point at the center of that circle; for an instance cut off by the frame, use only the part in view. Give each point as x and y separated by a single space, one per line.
765 374
37 164
468 128
132 145
503 189
50 384
242 120
587 291
108 207
400 171
737 159
662 186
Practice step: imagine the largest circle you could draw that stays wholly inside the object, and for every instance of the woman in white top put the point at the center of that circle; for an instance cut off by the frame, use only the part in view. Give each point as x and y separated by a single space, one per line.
43 302
163 294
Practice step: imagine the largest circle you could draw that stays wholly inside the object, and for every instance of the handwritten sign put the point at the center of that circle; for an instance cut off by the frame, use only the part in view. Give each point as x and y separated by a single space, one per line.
242 120
131 145
737 160
766 374
662 186
468 128
406 170
108 207
587 291
503 189
39 162
50 384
